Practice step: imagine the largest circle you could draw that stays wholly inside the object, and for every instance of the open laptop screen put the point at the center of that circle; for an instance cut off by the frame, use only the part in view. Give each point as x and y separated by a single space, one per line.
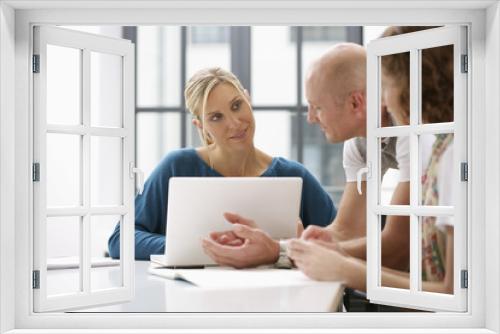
196 206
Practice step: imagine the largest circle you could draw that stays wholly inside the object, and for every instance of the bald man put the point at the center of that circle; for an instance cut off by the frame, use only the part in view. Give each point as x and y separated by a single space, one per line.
336 93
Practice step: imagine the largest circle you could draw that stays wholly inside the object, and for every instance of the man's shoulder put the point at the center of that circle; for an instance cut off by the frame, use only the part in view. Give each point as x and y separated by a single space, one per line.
355 150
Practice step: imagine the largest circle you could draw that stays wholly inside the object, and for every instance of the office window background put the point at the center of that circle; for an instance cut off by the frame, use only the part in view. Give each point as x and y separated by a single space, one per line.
270 61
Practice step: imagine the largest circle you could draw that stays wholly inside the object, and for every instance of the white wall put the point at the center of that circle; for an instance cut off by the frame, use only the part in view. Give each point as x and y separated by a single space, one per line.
7 175
492 166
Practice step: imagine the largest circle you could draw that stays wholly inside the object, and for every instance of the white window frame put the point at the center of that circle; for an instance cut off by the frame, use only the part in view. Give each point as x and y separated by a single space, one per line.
87 43
16 18
413 44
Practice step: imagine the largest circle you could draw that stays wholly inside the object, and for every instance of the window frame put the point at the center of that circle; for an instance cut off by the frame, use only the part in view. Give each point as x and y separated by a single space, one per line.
16 211
414 44
86 44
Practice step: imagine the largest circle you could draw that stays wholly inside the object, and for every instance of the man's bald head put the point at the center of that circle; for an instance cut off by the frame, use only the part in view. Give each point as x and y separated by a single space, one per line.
335 92
340 71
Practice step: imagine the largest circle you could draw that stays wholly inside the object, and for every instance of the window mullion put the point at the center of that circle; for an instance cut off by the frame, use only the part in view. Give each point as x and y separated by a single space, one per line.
241 64
354 35
415 103
415 263
183 69
300 130
85 177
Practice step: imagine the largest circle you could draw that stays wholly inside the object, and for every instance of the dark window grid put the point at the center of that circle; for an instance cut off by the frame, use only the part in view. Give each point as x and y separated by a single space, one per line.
353 34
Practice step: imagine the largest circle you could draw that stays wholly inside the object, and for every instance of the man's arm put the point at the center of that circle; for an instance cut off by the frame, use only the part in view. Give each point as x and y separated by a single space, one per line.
395 236
350 222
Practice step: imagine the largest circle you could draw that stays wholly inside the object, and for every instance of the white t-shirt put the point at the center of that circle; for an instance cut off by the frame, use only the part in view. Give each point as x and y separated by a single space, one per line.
444 178
354 161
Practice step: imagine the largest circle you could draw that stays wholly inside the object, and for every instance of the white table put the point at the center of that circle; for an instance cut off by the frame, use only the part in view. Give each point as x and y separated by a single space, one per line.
157 294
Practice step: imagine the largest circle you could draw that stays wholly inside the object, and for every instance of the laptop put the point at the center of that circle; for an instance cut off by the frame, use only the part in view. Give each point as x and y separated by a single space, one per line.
196 206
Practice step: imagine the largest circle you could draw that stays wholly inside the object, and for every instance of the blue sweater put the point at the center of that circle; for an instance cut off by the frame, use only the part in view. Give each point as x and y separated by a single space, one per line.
317 207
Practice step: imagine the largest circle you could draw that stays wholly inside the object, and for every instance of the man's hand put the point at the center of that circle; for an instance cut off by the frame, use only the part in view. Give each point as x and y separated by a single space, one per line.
299 229
244 246
316 261
313 232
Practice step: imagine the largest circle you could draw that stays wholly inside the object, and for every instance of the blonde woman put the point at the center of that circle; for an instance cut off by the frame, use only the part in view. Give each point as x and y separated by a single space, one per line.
223 115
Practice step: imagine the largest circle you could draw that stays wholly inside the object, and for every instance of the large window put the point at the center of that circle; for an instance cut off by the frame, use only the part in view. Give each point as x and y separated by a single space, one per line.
83 196
270 61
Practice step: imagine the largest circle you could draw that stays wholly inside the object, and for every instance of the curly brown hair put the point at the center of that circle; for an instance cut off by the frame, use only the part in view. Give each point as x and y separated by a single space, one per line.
437 77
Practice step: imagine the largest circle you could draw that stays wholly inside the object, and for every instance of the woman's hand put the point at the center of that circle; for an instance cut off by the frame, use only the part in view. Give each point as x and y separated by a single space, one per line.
257 248
242 247
317 261
229 238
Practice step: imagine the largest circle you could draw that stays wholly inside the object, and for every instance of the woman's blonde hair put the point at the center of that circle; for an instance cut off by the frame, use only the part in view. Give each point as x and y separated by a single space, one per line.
199 87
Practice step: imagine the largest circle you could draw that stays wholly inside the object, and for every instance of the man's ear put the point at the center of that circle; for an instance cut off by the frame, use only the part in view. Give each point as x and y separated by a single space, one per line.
196 122
358 103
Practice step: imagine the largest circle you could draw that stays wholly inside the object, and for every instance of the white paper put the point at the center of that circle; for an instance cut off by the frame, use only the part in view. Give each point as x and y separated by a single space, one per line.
225 277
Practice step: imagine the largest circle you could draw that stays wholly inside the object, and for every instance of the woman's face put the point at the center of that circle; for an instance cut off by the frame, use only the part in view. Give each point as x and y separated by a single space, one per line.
391 100
228 119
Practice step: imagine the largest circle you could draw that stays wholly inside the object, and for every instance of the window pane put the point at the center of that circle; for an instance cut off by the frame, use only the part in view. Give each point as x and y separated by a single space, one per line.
106 171
203 53
209 35
273 132
106 90
63 170
395 92
63 85
320 34
437 242
323 160
400 259
273 66
437 169
103 276
372 32
63 255
108 30
193 135
394 154
437 85
158 70
157 134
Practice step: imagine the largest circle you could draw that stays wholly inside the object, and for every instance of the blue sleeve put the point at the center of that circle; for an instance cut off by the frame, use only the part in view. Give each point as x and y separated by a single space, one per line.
150 216
317 207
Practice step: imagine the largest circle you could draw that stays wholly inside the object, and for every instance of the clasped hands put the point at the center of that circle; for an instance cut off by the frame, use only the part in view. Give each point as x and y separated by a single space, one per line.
248 246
